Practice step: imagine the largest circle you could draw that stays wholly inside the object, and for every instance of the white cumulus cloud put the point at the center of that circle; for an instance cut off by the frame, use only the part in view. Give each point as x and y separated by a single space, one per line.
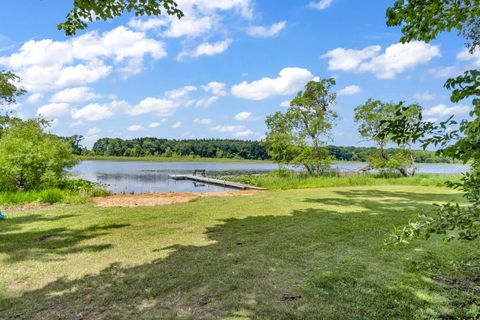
425 96
444 72
35 98
93 131
180 93
289 80
320 5
227 128
53 110
158 106
396 59
465 55
177 125
48 64
242 116
96 111
135 128
441 110
201 16
266 32
74 95
206 49
349 90
244 133
202 121
154 125
215 88
206 102
235 130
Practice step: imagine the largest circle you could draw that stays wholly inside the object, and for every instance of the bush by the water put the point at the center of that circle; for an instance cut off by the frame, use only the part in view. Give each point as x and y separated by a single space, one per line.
284 179
51 196
30 158
33 163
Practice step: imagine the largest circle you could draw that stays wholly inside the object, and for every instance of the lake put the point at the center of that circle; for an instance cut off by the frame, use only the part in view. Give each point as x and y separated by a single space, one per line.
152 177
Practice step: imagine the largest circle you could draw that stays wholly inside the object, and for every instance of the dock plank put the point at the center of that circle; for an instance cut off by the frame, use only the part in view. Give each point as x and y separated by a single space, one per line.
217 182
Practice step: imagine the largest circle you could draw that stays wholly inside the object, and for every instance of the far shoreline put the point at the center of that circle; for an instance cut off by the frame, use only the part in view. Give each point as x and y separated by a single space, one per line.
169 159
213 160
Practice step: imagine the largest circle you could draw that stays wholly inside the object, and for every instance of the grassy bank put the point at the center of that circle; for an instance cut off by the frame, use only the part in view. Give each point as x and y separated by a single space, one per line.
49 196
296 254
273 181
171 159
72 191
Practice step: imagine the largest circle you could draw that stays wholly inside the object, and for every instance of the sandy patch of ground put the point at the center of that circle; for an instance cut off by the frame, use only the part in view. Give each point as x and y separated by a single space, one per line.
25 207
162 199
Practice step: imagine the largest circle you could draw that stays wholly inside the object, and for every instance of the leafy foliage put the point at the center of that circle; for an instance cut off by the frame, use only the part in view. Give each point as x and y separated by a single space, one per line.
75 142
371 118
31 159
425 20
297 137
9 91
85 11
362 154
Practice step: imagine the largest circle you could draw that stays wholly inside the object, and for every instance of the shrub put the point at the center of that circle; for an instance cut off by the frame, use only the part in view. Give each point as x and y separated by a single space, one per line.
30 158
51 196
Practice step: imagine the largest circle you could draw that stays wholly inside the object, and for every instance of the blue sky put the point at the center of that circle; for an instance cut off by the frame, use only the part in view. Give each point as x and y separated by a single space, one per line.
222 69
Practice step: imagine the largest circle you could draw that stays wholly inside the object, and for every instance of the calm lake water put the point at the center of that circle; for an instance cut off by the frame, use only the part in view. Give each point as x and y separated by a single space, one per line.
152 177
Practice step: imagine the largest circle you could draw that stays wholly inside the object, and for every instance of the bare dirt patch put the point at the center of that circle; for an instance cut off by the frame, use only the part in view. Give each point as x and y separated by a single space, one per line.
162 199
25 207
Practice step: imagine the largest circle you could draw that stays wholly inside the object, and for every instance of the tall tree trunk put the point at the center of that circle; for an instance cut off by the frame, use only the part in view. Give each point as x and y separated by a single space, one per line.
309 170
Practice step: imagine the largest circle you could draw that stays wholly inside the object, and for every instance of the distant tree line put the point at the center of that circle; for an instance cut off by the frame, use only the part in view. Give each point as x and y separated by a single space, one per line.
362 154
219 148
208 148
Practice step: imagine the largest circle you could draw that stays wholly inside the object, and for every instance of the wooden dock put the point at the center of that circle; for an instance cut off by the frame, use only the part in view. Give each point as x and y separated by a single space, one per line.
217 182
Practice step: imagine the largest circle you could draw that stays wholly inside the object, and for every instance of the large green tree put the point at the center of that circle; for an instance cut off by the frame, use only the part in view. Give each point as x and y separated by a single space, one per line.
30 158
299 135
425 20
370 118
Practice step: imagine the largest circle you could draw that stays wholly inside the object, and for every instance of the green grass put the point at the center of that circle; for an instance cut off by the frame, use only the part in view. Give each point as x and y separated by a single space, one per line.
170 159
296 181
295 254
48 196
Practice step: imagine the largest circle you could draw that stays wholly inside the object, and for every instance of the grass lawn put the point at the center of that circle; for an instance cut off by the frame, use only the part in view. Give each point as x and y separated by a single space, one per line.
292 254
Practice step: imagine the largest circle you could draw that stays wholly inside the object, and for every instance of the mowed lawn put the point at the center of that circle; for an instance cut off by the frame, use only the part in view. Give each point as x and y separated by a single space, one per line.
293 254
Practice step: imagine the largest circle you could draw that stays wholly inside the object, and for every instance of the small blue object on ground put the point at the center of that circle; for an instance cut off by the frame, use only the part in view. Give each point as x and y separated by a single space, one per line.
2 215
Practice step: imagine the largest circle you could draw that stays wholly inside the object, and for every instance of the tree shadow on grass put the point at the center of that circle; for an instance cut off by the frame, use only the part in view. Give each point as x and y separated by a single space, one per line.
385 202
306 265
16 222
51 244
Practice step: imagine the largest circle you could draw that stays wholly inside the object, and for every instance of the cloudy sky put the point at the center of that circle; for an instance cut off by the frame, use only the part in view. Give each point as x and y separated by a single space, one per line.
220 70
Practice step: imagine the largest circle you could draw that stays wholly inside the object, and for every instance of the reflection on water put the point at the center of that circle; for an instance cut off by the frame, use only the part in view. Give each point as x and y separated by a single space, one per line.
151 182
152 177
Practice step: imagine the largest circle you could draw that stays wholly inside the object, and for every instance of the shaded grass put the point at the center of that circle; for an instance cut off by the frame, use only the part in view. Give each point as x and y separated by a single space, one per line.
296 254
298 181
